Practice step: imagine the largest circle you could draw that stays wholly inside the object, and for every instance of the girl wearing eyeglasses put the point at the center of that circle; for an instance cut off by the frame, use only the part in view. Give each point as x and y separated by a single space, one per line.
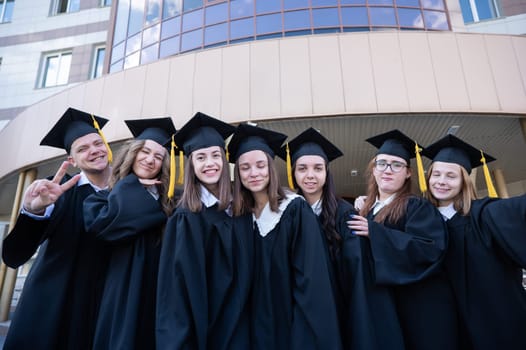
406 245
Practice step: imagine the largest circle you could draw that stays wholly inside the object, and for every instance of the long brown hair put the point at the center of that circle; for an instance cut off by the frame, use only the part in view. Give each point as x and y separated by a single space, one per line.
395 210
191 197
244 203
123 165
462 201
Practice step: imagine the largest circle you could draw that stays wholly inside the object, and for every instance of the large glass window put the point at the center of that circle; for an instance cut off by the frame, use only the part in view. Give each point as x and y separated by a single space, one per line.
105 3
217 13
382 16
121 21
153 11
171 27
151 35
149 54
172 8
411 18
97 61
269 24
435 20
297 20
192 20
241 28
136 17
355 16
55 69
65 6
478 10
408 3
267 6
6 10
316 3
192 40
295 4
326 17
169 47
241 8
192 4
217 33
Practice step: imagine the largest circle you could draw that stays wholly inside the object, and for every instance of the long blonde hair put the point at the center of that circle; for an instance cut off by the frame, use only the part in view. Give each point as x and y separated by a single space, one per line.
462 201
123 165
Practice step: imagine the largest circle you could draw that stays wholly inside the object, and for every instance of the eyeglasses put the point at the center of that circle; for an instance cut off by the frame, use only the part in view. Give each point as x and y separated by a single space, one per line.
396 167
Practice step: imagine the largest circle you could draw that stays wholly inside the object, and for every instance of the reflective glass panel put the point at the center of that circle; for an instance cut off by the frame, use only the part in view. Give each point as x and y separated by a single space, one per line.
295 4
327 17
192 40
242 28
121 22
116 67
171 27
8 12
380 2
265 6
353 2
169 47
172 8
217 33
150 35
217 13
410 18
435 20
434 4
241 8
117 52
136 15
297 20
382 16
133 44
466 11
355 16
132 60
189 5
268 23
408 3
149 54
153 11
316 3
192 20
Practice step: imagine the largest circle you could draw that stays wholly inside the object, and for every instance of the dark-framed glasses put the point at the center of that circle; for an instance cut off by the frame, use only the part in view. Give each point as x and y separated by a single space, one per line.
396 167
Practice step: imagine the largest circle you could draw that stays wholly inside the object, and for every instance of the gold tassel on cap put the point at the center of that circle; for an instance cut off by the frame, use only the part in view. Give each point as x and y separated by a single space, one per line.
420 169
180 179
491 190
227 154
171 186
96 126
289 169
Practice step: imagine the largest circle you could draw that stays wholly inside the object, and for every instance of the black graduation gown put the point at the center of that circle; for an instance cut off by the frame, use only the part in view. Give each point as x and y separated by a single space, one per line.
205 275
130 220
59 302
369 318
292 301
486 253
408 257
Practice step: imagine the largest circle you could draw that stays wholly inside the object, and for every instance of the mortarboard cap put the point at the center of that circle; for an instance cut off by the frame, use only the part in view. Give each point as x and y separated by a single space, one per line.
394 143
159 130
250 138
72 125
312 142
203 131
451 149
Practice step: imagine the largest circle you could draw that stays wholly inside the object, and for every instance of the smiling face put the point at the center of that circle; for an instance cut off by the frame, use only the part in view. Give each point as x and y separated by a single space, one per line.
149 160
208 165
445 182
254 171
388 181
89 153
310 173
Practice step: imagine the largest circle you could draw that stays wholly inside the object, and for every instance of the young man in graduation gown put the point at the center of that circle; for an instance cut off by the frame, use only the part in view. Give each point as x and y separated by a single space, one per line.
58 306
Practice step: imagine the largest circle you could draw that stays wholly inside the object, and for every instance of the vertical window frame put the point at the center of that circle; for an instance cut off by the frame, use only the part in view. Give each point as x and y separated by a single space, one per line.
95 61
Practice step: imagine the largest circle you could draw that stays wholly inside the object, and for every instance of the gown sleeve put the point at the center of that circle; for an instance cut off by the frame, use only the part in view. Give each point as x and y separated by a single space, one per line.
504 221
182 304
413 249
123 213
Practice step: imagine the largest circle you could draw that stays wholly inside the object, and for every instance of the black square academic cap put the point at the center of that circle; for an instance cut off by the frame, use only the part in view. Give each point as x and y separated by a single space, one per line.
72 125
250 138
311 142
394 143
451 149
203 131
159 130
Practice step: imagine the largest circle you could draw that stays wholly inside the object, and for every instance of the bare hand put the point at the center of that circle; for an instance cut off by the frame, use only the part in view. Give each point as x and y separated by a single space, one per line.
359 202
359 225
42 193
150 182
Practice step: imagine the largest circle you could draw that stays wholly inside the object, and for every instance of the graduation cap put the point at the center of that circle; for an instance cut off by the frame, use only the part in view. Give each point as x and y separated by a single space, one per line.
159 130
451 149
250 138
396 143
203 131
72 125
309 142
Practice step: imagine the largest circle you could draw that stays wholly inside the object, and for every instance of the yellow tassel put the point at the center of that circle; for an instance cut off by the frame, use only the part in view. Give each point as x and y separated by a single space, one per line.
420 169
180 180
289 169
96 125
227 154
491 190
171 186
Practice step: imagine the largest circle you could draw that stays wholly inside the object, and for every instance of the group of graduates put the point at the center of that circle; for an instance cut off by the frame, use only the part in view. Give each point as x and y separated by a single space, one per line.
127 262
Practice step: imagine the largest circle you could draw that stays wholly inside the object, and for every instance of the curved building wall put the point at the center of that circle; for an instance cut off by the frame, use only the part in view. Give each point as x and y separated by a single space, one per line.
146 31
308 76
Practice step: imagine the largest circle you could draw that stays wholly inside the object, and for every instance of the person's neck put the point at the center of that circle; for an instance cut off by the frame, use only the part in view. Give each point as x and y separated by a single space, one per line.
312 198
214 189
99 179
260 201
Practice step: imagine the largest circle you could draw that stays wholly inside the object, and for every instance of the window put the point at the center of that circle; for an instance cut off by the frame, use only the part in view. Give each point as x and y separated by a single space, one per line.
97 62
65 6
6 10
55 69
105 3
478 10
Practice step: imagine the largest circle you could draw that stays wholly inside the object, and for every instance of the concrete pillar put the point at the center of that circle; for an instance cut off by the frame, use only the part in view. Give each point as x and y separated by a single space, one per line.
500 184
7 274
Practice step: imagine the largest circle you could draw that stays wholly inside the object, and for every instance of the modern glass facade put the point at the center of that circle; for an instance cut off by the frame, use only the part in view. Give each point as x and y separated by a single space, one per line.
146 31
